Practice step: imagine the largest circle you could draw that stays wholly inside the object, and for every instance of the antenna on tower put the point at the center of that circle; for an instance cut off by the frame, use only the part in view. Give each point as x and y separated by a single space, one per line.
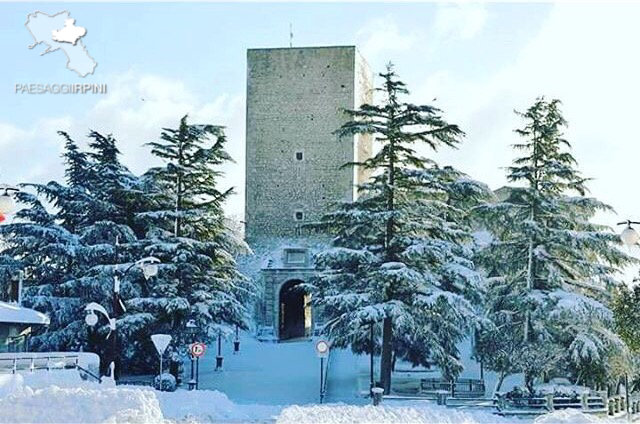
290 35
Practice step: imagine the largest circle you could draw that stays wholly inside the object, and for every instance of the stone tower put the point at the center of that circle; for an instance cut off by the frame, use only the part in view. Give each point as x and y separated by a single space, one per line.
296 99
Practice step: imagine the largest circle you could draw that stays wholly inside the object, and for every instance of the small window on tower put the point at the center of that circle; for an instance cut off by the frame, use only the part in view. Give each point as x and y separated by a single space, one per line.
299 215
299 156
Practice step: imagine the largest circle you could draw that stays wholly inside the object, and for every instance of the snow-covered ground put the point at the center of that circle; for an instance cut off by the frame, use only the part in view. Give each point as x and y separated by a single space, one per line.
278 373
288 373
61 397
264 382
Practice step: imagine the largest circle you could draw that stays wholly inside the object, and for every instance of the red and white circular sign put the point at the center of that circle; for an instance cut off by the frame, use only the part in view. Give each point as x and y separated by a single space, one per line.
197 349
322 348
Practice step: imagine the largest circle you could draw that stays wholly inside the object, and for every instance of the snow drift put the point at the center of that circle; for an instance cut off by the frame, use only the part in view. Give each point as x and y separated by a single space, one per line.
34 398
63 397
427 413
80 405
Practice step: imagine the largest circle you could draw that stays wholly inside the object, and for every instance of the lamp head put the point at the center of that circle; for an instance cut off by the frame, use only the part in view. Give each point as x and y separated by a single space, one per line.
91 319
629 236
149 269
192 327
149 266
7 204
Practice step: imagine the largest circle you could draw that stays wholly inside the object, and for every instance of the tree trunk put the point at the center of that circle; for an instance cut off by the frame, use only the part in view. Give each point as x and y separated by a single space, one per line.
530 277
498 386
528 381
178 204
385 359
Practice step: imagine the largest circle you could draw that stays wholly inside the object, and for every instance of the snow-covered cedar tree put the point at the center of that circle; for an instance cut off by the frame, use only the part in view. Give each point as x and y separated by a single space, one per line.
67 254
626 312
72 238
551 269
400 255
187 230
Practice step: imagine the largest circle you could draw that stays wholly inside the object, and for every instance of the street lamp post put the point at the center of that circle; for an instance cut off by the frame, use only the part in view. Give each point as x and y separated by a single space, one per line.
219 358
630 238
149 267
192 329
236 342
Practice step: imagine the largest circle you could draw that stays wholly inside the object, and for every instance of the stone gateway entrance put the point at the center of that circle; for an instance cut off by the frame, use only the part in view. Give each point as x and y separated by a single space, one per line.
295 311
286 310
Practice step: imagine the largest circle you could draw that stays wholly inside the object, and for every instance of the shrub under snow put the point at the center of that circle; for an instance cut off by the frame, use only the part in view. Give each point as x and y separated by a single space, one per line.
168 382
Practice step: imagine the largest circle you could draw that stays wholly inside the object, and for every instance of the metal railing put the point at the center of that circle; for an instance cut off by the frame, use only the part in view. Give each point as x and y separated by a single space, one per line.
52 362
89 373
33 362
585 402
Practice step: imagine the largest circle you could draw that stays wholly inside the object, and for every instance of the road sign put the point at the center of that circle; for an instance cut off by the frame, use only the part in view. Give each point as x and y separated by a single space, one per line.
161 341
197 349
322 348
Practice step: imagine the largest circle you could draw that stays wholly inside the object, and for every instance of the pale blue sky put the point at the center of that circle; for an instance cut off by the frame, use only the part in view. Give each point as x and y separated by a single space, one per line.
204 45
481 61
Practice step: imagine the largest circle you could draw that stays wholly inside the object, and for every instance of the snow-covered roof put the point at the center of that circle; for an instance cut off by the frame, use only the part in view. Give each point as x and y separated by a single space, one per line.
10 312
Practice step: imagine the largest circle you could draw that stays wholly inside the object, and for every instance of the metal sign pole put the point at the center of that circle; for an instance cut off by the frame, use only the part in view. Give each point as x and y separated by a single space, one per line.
192 364
371 382
197 372
321 378
160 372
161 342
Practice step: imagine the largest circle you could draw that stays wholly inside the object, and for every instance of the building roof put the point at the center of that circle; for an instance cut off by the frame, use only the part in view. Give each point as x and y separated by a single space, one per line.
13 313
303 48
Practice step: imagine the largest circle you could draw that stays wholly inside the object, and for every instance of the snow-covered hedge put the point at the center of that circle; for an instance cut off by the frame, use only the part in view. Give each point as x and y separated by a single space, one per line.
168 382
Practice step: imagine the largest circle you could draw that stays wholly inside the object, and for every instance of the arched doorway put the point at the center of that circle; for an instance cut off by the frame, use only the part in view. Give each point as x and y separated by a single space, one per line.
295 311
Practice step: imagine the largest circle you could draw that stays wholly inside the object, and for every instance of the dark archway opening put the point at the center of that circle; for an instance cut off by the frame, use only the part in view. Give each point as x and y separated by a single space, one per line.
295 311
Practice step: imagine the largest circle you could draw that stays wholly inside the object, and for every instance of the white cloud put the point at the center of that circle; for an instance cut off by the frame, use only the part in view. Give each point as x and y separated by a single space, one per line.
583 55
459 20
382 35
135 110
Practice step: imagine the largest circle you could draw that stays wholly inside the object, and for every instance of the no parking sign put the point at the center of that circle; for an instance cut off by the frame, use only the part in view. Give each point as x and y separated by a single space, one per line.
322 348
197 349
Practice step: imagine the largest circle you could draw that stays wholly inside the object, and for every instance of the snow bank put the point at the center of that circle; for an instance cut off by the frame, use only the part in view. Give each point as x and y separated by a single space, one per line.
427 413
10 383
63 397
570 416
566 389
211 406
80 405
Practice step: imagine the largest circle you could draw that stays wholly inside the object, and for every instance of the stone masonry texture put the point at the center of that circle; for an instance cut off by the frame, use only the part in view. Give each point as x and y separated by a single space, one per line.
294 162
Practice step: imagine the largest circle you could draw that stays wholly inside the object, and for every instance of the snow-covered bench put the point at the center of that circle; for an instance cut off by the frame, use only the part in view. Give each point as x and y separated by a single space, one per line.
460 388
